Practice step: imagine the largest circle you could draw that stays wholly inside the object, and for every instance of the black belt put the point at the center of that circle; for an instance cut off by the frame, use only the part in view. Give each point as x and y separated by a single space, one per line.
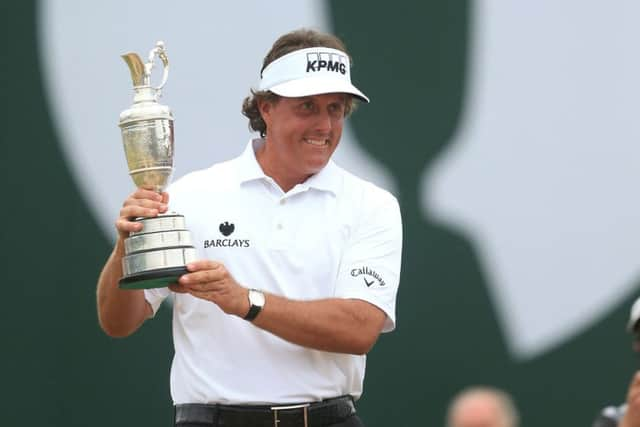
317 414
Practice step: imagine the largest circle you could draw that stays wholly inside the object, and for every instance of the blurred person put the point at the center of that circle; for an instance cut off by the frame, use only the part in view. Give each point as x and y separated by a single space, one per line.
482 406
272 324
627 414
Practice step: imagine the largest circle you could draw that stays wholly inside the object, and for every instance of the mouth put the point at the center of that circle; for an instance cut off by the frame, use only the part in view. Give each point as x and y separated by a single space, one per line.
317 142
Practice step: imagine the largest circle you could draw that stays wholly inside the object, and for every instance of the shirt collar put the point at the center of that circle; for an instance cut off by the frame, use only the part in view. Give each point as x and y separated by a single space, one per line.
248 167
328 179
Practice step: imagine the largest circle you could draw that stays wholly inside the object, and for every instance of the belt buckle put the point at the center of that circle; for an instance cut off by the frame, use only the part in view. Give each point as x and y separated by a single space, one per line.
303 406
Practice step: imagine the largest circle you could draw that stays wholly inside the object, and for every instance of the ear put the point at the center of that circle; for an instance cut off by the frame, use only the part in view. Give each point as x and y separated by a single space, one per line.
265 108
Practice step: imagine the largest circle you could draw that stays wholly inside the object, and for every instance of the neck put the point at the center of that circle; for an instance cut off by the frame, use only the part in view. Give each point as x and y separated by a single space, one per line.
280 173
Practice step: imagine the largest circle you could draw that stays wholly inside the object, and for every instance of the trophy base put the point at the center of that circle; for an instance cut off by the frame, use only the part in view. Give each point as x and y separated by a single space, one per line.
159 278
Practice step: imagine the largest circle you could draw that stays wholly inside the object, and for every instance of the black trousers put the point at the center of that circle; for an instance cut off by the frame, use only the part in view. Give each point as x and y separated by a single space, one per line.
353 421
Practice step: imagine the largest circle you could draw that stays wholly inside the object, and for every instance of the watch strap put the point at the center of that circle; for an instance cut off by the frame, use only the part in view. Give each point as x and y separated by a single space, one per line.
254 309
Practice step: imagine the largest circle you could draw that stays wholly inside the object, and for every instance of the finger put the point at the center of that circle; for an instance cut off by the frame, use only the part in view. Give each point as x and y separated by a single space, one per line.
197 279
137 211
146 193
143 203
148 198
203 264
126 226
198 288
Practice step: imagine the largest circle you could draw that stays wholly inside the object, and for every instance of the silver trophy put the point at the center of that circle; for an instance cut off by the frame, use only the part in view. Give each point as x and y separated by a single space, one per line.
156 255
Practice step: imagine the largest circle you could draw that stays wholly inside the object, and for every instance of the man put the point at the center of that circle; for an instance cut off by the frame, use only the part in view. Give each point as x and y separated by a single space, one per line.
482 407
274 330
627 414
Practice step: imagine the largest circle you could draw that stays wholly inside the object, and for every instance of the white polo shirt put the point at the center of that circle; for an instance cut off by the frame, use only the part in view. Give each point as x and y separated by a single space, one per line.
335 235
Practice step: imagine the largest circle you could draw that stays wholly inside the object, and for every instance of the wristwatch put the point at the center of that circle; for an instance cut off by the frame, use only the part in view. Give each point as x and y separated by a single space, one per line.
256 302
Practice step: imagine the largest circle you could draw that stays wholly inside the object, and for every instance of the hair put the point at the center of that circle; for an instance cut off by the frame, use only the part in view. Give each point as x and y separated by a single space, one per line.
506 405
295 40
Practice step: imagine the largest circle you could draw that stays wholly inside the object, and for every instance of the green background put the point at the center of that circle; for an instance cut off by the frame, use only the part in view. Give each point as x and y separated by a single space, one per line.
59 369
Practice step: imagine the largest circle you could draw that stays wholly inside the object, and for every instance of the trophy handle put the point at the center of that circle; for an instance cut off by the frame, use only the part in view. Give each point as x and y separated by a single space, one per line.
161 52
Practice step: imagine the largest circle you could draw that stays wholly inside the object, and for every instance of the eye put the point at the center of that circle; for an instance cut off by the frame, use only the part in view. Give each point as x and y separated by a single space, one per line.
307 106
336 108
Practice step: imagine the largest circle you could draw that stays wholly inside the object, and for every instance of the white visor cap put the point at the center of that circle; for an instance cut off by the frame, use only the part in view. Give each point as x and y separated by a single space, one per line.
311 71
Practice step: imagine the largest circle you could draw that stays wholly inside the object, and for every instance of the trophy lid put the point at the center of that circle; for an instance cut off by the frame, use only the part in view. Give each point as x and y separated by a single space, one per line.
141 71
145 101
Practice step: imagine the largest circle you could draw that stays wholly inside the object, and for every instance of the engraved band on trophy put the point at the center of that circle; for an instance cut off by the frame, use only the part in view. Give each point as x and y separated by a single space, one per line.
155 256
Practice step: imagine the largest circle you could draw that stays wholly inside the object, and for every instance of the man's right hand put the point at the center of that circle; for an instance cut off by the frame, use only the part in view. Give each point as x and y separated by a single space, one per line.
141 203
632 416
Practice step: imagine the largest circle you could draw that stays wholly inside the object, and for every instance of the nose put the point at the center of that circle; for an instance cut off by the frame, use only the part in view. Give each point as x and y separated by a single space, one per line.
323 122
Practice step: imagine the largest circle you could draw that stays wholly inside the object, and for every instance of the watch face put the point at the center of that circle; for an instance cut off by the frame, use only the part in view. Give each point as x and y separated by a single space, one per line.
256 298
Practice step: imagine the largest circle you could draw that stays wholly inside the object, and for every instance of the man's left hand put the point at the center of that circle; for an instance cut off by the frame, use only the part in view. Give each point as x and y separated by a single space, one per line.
211 281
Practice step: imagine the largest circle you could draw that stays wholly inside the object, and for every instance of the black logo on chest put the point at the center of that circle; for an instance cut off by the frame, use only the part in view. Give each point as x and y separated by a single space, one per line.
226 228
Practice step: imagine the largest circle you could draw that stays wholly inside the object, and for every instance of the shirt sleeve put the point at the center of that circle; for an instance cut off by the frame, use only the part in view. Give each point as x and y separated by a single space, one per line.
155 297
370 266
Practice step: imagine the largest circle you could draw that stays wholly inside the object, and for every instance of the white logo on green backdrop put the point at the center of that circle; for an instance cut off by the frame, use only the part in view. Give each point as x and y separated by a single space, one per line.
543 171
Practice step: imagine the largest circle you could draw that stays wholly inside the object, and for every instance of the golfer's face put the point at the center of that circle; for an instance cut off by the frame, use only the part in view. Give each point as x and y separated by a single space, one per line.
304 132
